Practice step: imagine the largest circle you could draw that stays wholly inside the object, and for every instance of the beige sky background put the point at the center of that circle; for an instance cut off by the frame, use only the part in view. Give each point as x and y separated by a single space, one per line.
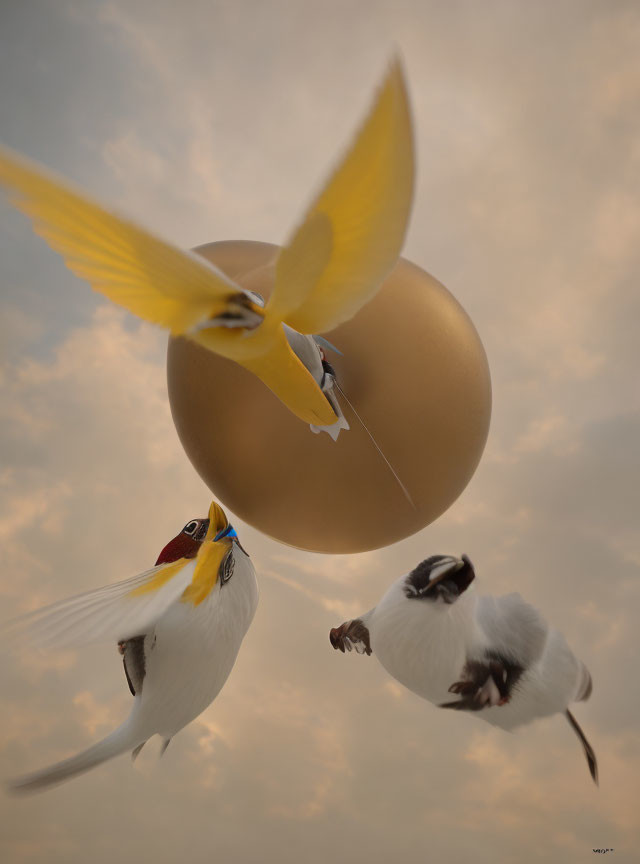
216 120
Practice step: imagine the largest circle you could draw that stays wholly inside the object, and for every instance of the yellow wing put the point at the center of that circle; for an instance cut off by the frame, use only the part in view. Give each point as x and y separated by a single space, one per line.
160 283
353 233
283 372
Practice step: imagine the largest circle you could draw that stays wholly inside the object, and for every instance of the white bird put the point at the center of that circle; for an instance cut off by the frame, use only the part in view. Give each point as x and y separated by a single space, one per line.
179 627
497 654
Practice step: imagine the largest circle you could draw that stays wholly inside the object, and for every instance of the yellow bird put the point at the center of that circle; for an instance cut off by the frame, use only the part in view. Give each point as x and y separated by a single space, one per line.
336 260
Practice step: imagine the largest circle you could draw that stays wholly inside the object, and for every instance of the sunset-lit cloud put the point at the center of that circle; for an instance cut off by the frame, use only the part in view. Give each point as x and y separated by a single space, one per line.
216 120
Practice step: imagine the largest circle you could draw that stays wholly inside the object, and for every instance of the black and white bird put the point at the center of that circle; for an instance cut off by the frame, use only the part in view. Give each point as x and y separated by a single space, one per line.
497 655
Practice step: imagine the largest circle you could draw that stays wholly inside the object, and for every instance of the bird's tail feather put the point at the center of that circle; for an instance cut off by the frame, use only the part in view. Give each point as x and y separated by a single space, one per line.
120 740
588 749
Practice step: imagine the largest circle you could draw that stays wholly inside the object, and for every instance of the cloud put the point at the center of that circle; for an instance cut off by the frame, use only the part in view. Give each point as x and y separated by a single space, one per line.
218 124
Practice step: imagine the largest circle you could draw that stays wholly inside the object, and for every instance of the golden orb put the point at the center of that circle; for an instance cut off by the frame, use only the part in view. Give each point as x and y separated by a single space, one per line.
414 369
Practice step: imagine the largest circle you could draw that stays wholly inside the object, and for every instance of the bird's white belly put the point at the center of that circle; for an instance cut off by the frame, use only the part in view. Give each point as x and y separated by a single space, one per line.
190 656
421 647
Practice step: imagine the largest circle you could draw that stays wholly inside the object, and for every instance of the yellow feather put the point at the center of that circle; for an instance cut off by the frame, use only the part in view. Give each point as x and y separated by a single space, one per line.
151 278
158 282
284 373
348 242
160 578
353 233
210 557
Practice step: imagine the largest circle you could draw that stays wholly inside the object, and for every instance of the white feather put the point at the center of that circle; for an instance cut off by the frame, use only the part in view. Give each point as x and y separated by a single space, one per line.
107 614
512 627
119 741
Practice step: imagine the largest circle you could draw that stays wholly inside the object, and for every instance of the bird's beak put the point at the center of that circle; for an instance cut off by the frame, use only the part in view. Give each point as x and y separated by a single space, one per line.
459 571
217 521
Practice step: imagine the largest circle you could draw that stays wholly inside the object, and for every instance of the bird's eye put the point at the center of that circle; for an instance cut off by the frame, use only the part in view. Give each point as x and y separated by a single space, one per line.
191 527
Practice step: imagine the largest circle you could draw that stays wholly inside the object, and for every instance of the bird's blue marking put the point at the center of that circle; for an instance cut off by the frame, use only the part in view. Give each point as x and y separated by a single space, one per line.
229 531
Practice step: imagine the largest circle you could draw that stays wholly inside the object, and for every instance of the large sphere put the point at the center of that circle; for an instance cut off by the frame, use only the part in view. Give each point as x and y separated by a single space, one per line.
416 372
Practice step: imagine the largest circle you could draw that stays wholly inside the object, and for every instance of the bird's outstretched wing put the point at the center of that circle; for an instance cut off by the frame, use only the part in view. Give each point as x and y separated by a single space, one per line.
151 278
353 233
114 613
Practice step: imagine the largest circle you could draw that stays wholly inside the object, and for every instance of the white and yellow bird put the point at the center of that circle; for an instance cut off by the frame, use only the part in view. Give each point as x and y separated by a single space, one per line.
179 627
337 258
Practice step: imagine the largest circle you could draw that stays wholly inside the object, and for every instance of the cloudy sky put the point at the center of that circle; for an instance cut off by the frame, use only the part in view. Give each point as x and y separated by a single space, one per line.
214 120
